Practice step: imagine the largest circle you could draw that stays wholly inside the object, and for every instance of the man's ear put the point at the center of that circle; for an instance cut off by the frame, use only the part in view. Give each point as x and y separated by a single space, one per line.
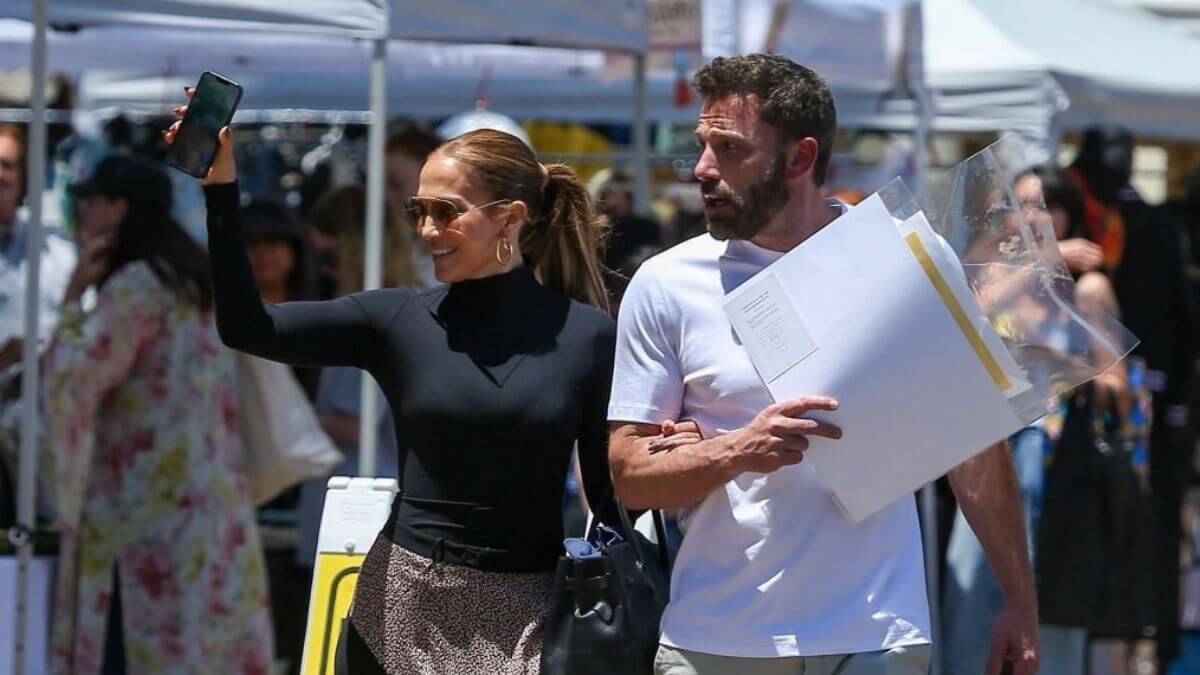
802 157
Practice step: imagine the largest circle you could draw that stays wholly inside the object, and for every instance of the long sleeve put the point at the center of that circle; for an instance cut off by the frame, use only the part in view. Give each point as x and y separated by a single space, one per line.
332 333
593 435
88 356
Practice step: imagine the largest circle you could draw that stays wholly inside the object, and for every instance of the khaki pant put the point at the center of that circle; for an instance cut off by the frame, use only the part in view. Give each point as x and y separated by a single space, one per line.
899 661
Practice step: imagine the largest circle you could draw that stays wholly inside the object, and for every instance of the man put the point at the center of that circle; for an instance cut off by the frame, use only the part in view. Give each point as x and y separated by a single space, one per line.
771 577
630 232
406 152
631 238
57 262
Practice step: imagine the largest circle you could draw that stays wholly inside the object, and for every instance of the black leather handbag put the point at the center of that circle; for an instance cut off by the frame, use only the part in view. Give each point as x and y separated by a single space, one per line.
1094 542
609 594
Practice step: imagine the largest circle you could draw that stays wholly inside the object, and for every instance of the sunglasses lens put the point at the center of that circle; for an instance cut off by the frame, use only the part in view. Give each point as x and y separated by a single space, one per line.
442 213
412 207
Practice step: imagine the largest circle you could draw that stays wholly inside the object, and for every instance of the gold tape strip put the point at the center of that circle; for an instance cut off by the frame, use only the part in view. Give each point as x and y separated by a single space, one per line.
956 310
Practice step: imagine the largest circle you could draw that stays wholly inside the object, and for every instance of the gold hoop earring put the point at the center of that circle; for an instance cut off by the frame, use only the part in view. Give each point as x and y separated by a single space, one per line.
504 251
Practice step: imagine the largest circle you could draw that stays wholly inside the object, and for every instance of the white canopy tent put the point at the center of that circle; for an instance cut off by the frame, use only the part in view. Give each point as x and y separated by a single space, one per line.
571 85
364 18
610 25
168 50
1060 66
1025 66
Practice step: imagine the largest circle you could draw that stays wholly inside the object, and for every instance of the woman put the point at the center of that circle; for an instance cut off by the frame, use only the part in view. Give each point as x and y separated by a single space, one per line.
340 217
281 258
279 252
160 568
492 378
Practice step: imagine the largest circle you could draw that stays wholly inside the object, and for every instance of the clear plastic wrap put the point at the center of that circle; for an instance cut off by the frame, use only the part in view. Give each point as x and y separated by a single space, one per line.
1020 289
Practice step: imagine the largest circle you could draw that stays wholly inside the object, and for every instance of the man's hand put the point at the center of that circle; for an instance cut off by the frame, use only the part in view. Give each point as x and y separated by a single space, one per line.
1015 639
224 168
671 466
778 436
91 266
990 498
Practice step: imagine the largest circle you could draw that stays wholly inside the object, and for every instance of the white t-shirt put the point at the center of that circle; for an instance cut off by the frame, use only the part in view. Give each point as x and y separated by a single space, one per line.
769 566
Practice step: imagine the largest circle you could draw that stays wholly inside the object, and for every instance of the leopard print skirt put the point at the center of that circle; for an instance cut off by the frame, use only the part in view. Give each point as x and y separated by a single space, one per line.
413 615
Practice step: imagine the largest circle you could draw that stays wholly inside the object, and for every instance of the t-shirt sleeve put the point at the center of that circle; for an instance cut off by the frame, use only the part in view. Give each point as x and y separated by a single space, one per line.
647 380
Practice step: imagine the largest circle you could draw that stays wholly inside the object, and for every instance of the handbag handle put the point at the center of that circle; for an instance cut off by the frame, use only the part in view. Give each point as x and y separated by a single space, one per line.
660 533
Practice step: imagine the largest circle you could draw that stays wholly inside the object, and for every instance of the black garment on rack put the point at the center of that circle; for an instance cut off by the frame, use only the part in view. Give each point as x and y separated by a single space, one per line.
490 381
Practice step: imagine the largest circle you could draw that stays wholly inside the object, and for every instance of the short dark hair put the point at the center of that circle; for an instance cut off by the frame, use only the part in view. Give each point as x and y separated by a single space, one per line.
795 100
412 140
267 219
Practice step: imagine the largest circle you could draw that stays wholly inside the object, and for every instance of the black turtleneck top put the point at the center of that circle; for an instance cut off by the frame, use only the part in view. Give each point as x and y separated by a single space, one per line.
490 382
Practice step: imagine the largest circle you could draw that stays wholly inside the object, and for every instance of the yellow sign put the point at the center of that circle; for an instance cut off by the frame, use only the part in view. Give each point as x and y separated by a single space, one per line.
334 579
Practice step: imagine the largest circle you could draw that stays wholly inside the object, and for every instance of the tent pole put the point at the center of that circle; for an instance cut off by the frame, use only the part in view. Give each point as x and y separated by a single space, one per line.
22 533
373 265
641 138
915 56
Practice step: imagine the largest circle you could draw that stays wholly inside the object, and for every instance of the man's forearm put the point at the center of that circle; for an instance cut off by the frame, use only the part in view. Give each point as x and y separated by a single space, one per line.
676 478
990 498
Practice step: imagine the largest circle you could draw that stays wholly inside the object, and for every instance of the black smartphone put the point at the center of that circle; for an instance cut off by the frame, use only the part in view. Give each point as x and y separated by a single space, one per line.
195 146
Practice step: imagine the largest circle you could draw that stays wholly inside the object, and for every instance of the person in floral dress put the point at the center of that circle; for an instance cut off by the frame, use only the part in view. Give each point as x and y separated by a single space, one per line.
144 454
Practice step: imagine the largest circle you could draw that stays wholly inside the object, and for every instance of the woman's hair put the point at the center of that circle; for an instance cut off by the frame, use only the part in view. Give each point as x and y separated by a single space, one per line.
1060 190
342 213
149 233
270 220
563 240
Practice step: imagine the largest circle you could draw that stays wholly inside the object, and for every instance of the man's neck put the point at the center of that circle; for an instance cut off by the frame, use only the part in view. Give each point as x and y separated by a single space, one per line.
798 220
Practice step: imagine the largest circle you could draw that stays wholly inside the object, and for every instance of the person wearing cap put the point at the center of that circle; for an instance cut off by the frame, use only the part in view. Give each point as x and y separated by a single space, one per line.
160 568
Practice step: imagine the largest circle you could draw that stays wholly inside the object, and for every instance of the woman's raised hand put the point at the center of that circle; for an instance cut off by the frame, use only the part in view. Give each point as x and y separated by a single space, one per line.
224 169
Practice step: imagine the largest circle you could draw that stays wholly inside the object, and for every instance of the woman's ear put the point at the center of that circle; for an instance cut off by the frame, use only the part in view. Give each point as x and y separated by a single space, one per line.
516 216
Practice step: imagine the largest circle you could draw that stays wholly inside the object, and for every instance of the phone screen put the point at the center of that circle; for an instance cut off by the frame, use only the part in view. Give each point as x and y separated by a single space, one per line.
211 108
